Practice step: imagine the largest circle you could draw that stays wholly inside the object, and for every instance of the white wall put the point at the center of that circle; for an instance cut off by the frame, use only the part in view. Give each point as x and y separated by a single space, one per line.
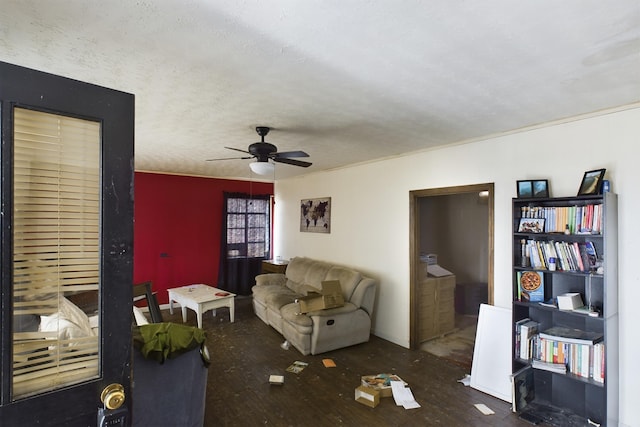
370 212
454 227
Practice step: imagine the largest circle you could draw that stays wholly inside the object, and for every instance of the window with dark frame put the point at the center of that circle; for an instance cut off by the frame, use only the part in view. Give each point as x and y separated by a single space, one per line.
248 228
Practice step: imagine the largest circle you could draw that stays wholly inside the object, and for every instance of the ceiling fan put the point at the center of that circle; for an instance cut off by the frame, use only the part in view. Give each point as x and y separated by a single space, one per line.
264 151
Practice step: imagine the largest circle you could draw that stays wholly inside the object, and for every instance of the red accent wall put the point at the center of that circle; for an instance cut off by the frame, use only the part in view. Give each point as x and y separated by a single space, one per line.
177 228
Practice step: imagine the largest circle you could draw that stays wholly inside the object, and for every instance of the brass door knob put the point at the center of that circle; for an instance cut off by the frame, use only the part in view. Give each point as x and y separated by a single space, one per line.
112 396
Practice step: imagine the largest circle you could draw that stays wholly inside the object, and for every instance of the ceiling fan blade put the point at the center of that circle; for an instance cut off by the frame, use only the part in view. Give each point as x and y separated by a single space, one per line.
230 158
291 154
237 149
292 162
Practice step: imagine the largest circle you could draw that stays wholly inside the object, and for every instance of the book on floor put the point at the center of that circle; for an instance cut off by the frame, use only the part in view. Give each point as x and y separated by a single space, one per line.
328 363
276 379
297 367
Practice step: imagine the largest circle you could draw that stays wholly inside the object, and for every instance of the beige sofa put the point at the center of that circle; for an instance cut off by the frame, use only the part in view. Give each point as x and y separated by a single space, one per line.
319 331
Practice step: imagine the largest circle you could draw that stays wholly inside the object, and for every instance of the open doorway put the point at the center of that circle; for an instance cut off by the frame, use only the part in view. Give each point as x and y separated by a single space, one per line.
456 225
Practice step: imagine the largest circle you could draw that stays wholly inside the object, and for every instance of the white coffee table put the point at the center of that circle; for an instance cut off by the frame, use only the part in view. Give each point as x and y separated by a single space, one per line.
201 298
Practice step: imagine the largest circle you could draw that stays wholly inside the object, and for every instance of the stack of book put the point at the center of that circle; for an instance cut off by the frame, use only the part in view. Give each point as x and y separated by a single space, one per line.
559 368
585 219
526 330
579 352
570 256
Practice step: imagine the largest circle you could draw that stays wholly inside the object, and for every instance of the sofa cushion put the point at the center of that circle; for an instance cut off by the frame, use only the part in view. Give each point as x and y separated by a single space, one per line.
274 296
348 278
302 324
316 273
297 269
297 287
261 292
271 279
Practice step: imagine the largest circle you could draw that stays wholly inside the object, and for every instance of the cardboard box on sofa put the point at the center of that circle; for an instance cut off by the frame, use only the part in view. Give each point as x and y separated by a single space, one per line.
329 296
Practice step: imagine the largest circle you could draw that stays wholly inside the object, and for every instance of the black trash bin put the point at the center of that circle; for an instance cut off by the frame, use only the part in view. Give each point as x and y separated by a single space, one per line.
169 375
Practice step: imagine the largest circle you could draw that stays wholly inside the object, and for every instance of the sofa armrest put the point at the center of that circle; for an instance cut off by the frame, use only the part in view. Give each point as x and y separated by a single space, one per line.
339 327
364 295
271 279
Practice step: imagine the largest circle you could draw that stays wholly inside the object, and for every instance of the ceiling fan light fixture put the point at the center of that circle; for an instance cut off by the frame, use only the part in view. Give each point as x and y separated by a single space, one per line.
262 168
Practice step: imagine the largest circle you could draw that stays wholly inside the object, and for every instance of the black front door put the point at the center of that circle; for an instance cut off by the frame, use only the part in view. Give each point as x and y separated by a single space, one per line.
67 248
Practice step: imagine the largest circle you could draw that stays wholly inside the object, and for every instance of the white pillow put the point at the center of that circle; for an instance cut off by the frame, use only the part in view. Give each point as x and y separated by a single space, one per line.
69 321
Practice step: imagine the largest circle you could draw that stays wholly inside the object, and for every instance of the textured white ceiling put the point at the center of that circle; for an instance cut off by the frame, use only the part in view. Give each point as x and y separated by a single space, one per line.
347 81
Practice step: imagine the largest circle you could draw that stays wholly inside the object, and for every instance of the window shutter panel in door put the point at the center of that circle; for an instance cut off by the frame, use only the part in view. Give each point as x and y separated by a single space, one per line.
56 237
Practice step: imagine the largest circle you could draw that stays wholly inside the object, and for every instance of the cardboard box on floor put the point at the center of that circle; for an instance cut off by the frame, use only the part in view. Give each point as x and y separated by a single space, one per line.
381 383
330 296
367 396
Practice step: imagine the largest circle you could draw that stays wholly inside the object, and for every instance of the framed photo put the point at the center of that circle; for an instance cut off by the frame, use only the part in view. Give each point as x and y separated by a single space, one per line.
531 225
540 188
533 188
315 215
524 188
591 182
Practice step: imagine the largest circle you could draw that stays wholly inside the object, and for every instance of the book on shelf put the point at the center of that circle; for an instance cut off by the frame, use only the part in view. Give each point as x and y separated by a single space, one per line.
592 255
576 252
530 286
559 368
598 362
562 261
571 335
551 303
584 219
584 368
518 328
568 248
551 251
583 360
527 332
569 256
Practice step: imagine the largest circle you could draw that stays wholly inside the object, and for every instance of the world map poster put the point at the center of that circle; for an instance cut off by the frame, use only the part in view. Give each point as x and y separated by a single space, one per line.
315 215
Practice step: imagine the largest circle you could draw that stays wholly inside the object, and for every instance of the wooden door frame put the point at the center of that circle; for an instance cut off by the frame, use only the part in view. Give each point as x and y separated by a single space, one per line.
414 249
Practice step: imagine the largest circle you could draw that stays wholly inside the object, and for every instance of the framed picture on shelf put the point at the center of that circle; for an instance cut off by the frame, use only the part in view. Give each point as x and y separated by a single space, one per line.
591 182
531 225
533 188
524 188
540 188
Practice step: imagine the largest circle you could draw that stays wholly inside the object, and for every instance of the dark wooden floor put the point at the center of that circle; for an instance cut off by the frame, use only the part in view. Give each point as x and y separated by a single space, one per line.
247 351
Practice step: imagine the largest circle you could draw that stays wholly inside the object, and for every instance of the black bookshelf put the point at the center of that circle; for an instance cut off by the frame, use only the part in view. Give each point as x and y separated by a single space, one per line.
576 395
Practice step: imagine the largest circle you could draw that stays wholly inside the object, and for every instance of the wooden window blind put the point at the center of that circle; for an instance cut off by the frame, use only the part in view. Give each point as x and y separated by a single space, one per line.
56 241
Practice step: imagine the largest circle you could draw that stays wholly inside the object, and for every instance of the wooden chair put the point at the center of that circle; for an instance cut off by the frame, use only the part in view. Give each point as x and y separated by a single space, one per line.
143 290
